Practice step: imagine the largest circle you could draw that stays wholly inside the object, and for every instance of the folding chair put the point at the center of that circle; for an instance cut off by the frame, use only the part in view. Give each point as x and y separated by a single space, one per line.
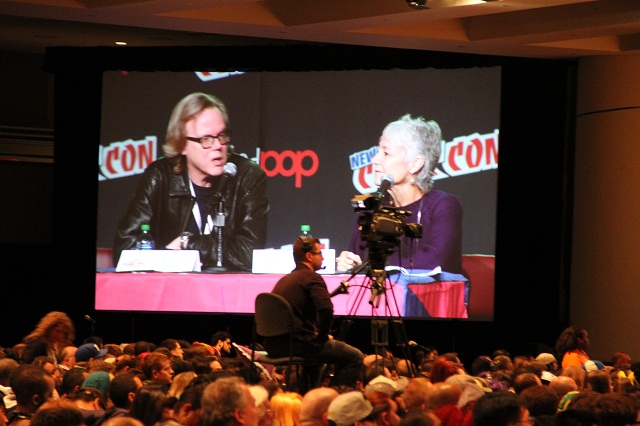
274 317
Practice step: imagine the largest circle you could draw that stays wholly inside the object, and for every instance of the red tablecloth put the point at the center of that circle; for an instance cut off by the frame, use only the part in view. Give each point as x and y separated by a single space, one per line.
235 293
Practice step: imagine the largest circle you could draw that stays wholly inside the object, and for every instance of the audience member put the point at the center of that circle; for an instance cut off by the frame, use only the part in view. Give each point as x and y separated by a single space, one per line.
174 347
221 344
88 352
500 409
92 403
416 393
58 413
67 359
315 404
32 387
578 374
350 409
149 405
523 381
157 369
180 382
228 402
599 381
53 333
563 385
572 345
122 391
542 403
286 409
261 396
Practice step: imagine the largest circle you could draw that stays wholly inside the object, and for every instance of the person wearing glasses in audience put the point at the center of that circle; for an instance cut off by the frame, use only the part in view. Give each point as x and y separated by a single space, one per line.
180 195
305 290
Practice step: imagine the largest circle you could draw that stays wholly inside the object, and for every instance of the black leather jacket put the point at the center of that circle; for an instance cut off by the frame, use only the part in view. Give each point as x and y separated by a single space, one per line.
164 201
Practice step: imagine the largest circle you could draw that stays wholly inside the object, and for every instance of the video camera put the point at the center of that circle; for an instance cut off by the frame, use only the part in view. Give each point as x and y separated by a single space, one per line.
381 227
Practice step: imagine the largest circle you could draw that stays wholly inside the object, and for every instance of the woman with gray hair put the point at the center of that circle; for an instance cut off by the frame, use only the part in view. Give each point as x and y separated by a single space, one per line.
409 150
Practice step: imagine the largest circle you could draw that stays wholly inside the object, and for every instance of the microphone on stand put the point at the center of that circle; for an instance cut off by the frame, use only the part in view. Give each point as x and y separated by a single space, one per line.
230 170
93 324
343 288
413 344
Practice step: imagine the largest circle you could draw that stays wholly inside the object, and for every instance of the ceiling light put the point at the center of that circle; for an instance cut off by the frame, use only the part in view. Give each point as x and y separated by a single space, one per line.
417 4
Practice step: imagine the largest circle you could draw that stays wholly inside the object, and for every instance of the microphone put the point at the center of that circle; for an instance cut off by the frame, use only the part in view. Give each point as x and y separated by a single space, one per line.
230 170
88 318
416 345
386 183
343 288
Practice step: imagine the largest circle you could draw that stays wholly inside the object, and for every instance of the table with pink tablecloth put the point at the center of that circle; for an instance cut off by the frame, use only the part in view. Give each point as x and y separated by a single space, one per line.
236 293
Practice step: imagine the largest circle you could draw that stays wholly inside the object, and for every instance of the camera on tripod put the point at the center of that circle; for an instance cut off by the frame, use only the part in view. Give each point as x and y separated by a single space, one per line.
381 227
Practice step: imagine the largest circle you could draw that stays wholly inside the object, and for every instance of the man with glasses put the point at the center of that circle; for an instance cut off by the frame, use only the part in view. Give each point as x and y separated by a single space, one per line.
183 195
307 293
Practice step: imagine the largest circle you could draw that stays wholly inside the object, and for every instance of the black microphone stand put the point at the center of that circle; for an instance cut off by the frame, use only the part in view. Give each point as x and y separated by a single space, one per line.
219 225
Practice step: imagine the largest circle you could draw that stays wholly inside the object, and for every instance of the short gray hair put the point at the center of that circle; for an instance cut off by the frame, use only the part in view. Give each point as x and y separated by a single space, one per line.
220 400
420 138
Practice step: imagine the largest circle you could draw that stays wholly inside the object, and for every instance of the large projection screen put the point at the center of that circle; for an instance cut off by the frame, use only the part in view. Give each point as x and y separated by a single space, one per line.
314 134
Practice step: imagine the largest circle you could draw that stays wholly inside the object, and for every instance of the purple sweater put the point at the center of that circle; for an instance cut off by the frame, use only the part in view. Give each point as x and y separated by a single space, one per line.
441 242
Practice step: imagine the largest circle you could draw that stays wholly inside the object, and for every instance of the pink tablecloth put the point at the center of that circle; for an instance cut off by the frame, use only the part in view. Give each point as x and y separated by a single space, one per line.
235 293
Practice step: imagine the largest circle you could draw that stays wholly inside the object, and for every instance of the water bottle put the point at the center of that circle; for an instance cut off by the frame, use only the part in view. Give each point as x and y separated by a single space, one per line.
145 240
305 231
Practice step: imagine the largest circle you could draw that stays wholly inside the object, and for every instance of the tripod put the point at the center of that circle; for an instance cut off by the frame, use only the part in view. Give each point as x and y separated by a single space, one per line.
381 289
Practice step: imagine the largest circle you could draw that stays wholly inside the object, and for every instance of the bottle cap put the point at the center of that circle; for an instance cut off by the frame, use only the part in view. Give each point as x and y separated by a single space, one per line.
145 227
305 228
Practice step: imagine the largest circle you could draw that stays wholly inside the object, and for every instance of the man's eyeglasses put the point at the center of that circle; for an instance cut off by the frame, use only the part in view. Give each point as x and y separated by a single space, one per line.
207 140
313 252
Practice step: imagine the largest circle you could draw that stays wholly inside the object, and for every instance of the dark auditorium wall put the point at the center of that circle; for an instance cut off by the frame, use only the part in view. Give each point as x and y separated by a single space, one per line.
534 225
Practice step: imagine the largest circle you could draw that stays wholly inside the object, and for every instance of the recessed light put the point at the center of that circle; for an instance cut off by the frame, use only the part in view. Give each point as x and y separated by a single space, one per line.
121 43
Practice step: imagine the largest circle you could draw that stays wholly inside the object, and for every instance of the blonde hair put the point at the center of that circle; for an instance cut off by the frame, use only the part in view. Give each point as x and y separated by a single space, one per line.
286 409
180 381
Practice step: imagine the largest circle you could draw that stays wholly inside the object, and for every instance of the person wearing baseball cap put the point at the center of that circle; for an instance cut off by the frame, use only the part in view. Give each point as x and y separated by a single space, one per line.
351 409
89 351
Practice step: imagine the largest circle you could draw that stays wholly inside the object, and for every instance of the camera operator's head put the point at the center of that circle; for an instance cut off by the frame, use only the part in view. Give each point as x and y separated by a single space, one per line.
307 251
409 151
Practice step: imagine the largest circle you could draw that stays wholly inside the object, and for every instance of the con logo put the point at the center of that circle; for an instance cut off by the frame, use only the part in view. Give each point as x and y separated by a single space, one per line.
463 155
126 158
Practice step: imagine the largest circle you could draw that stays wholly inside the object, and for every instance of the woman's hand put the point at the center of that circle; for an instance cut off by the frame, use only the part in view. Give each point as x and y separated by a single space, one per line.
347 260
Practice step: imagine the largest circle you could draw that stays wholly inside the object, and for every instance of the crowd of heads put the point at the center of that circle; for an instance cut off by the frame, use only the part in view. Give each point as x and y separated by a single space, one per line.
175 382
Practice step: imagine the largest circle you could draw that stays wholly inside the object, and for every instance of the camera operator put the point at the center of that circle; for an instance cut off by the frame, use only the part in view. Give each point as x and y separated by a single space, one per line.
409 152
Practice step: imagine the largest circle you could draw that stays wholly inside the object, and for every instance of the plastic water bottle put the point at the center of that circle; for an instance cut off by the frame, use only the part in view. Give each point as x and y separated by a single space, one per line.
305 231
145 240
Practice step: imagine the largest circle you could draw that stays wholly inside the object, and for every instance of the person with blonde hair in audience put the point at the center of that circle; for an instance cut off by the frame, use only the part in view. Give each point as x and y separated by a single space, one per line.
180 382
53 333
286 409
